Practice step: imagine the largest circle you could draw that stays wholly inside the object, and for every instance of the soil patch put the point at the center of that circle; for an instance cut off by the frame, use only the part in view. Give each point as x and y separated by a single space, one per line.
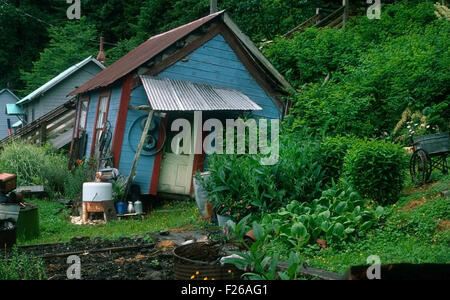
413 204
125 259
444 225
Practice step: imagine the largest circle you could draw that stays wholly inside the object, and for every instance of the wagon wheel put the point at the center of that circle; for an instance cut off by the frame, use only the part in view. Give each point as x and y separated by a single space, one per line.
420 167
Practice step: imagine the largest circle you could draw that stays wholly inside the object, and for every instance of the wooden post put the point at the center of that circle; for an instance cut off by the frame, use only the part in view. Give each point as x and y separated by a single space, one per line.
138 154
345 3
43 133
213 6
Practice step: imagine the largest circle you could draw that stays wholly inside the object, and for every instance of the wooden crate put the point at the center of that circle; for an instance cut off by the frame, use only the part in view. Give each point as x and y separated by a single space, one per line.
8 182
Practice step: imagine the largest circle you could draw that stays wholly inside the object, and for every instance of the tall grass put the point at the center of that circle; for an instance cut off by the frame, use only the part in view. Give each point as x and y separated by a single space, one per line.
22 267
42 165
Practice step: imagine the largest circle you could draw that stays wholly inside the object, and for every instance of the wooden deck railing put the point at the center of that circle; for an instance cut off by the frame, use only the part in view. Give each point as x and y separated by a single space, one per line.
55 127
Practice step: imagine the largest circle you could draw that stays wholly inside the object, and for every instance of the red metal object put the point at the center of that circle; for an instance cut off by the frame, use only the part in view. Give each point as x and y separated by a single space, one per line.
158 161
121 120
8 182
142 54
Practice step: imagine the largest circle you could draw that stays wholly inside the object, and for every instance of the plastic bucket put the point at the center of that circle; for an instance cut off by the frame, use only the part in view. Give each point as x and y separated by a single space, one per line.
121 208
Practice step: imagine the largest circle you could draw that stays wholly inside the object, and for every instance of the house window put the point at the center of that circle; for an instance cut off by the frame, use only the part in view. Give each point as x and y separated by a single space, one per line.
100 123
83 114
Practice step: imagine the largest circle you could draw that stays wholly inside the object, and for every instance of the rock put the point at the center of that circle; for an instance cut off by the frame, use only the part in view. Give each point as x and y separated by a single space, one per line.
138 238
115 277
80 239
165 245
124 239
97 239
153 275
164 232
203 239
187 242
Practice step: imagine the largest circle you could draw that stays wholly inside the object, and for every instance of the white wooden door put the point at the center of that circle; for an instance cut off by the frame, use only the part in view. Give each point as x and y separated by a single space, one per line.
176 174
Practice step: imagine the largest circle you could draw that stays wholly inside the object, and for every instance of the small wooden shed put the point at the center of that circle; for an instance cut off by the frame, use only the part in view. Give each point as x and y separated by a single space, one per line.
208 66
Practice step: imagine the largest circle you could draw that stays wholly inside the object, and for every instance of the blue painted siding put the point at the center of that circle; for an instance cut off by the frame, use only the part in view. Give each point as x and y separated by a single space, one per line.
145 165
93 101
114 106
216 63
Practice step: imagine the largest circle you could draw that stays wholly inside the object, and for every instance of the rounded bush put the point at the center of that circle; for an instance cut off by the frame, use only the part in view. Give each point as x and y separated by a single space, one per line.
376 169
332 151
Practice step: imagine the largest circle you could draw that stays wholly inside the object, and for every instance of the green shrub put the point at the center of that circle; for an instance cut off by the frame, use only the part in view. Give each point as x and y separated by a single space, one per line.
35 165
332 151
80 173
340 215
376 169
377 69
240 184
21 267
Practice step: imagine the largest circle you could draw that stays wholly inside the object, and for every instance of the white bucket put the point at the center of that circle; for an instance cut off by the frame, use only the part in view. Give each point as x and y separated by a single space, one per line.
97 192
9 211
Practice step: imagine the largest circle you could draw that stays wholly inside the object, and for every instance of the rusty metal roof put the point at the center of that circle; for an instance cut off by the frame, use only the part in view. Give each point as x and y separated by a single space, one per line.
142 54
166 94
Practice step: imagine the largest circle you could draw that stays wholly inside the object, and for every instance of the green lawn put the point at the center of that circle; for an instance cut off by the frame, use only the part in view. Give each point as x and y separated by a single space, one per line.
415 231
56 227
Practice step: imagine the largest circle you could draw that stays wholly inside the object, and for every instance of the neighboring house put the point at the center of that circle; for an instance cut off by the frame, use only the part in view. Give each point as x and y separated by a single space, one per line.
207 66
6 97
55 92
51 105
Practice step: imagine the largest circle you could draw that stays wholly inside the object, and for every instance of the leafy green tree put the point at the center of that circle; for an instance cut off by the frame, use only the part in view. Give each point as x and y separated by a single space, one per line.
23 37
68 46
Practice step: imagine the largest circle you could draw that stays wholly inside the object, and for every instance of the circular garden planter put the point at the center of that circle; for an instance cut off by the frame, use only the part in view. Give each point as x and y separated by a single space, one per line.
201 261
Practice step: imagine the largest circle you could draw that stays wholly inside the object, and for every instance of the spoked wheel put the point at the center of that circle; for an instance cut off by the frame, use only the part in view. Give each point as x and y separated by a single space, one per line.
420 167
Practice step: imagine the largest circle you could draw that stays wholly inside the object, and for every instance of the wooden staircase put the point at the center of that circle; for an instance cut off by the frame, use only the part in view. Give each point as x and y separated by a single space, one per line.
336 18
55 127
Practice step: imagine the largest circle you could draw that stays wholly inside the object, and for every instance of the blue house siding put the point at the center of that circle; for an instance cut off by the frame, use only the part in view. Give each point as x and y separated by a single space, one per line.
216 63
114 106
92 111
213 63
145 165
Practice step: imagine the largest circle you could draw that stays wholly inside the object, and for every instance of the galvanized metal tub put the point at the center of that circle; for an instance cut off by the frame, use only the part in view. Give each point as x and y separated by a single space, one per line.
200 261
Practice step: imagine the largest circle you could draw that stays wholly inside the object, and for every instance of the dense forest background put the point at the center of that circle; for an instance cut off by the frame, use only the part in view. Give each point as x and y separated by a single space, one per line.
381 74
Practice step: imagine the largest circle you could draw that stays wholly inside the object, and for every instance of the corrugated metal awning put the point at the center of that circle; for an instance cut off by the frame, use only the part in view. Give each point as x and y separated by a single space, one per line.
174 95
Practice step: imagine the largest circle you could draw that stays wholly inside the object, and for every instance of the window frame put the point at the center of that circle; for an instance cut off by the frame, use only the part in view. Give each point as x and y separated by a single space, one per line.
85 99
102 95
